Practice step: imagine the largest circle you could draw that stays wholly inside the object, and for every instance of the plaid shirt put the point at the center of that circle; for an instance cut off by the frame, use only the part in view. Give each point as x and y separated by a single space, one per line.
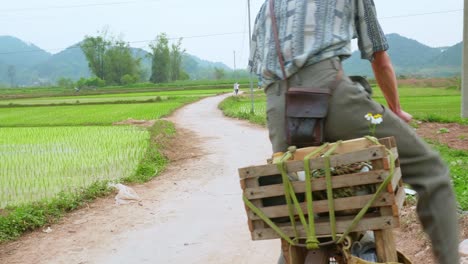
310 31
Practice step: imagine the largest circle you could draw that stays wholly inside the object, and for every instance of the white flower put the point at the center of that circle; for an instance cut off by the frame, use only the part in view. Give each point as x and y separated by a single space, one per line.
376 121
368 117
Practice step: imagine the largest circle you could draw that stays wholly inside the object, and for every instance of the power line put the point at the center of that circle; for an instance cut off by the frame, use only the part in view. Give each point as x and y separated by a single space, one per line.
73 6
129 42
424 14
196 36
244 33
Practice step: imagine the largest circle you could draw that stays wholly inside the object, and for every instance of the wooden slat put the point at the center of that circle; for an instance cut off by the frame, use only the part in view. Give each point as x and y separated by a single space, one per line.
396 178
374 223
388 142
319 184
341 204
385 246
348 152
344 147
384 241
371 153
395 158
253 225
400 198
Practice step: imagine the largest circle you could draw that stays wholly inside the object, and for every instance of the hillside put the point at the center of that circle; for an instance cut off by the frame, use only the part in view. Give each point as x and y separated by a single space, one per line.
26 64
412 58
23 63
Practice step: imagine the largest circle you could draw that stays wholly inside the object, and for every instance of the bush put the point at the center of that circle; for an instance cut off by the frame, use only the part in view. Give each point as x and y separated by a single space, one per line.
90 83
65 83
128 79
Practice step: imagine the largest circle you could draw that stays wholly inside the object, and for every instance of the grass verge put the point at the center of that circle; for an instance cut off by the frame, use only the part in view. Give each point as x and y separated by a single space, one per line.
458 163
240 107
17 220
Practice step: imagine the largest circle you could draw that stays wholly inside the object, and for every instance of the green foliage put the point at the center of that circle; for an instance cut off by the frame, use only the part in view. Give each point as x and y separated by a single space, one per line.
167 62
443 130
97 115
92 82
176 60
241 107
443 109
458 163
111 98
219 73
154 161
110 60
161 68
128 79
38 162
16 220
94 49
119 62
65 83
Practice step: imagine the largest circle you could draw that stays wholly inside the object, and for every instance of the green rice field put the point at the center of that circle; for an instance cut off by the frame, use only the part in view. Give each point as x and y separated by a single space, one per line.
79 115
111 98
37 163
62 144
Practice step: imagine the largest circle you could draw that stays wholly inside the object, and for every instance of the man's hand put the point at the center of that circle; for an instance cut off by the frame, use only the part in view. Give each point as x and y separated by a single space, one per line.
404 116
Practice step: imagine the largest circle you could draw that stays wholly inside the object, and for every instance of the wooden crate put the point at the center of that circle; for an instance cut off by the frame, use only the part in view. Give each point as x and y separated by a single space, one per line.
385 209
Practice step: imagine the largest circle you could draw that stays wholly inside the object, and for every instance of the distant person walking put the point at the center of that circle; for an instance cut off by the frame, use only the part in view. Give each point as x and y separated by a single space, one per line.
236 88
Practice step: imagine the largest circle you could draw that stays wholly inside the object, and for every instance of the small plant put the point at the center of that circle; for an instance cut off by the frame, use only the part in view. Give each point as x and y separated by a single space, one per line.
374 120
443 130
415 123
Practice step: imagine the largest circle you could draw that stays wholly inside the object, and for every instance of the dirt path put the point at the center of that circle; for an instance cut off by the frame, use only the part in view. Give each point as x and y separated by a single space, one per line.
192 213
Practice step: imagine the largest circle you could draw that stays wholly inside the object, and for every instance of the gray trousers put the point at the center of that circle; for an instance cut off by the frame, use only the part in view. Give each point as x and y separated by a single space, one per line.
422 168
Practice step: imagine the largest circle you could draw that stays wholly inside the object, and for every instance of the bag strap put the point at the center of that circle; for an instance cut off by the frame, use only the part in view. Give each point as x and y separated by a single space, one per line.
277 42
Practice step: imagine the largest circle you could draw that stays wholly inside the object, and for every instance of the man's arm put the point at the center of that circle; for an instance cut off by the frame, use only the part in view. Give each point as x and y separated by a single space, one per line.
386 79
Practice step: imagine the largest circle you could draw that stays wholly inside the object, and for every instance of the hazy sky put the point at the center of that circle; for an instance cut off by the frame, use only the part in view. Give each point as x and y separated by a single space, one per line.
212 29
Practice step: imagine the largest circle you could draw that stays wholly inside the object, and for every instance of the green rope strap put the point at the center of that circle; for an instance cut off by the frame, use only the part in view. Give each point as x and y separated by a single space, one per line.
331 202
292 202
381 187
287 190
311 241
267 220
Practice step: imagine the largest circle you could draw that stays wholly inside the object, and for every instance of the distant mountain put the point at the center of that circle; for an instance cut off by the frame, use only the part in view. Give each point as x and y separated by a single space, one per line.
70 63
26 64
18 53
410 57
201 69
16 57
407 52
451 56
23 63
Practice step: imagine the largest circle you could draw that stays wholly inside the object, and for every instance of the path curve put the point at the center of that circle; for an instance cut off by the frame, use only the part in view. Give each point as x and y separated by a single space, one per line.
191 213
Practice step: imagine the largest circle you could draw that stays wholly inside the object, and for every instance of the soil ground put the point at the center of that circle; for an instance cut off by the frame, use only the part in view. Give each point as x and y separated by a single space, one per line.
192 212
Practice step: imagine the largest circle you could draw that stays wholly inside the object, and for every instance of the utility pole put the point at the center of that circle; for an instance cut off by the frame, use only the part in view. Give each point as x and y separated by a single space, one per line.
235 75
234 60
250 48
464 106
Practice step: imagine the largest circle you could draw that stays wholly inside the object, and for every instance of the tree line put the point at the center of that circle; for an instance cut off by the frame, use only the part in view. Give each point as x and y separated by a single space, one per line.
112 62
